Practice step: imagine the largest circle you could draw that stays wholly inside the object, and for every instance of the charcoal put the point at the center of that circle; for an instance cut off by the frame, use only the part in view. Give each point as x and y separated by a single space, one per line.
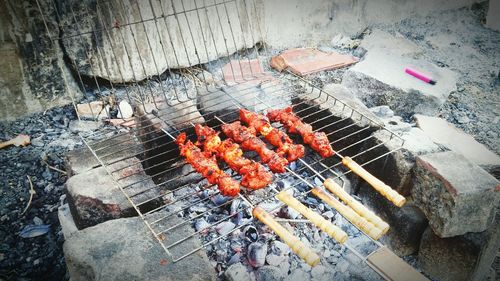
256 254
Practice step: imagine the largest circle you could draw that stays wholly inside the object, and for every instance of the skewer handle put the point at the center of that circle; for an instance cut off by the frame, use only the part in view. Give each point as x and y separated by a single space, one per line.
334 231
381 187
367 227
336 189
301 250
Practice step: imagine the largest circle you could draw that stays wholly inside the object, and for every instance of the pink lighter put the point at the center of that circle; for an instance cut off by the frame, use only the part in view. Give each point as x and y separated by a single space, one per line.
419 75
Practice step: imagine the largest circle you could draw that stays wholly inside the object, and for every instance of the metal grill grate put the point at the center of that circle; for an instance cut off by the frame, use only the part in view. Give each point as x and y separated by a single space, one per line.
174 94
342 132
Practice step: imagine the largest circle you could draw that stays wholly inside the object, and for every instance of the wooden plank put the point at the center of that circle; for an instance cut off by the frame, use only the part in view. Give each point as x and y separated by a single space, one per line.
392 267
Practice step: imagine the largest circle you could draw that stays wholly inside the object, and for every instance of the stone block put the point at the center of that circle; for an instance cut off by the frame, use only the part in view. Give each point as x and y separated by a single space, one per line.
464 257
442 132
408 224
396 168
112 149
456 195
380 79
167 35
94 196
493 17
124 249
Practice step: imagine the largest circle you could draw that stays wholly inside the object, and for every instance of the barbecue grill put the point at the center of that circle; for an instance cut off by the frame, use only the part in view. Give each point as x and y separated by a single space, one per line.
187 97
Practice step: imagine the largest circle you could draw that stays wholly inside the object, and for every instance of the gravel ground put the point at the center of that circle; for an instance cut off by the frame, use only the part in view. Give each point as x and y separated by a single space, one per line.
458 40
41 257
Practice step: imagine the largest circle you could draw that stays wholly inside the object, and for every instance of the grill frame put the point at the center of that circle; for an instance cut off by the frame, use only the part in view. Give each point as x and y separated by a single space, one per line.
307 166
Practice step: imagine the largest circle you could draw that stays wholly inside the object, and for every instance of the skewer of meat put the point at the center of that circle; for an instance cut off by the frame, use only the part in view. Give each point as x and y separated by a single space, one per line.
248 140
254 175
207 167
318 141
279 139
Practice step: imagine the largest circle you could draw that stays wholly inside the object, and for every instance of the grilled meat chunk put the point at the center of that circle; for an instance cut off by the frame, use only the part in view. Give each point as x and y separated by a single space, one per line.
248 140
318 141
207 167
279 139
254 175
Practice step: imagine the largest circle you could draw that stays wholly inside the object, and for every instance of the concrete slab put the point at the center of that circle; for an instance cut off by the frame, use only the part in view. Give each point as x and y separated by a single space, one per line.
456 195
124 249
380 79
444 133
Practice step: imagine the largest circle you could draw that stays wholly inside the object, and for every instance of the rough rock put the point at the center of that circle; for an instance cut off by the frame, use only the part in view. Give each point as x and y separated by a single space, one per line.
124 249
380 79
237 272
492 19
396 170
145 49
464 257
94 196
444 133
456 195
269 273
397 166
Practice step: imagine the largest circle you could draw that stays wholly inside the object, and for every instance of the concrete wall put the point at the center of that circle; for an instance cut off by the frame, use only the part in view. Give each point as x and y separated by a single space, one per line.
306 23
34 76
